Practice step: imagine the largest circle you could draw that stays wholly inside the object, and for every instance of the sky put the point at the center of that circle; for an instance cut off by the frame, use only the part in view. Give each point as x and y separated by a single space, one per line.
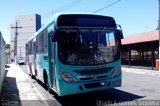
135 16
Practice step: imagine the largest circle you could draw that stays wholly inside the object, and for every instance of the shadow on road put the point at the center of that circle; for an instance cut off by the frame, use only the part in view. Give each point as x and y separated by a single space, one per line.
9 93
97 98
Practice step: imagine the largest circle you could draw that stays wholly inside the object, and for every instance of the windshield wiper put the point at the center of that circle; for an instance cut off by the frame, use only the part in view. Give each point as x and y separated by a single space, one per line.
102 32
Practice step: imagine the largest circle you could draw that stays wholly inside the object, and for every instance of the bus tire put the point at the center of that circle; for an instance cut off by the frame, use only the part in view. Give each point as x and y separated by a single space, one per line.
32 76
46 82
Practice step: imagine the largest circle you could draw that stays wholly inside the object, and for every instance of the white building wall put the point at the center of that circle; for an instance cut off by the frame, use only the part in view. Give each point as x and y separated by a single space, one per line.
28 24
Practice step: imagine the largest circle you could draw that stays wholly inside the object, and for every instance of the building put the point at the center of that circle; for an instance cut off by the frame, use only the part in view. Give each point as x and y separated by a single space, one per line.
2 60
20 31
7 54
141 49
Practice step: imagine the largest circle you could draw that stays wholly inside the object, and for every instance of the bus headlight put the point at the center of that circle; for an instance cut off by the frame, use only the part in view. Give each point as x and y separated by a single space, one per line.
116 72
67 77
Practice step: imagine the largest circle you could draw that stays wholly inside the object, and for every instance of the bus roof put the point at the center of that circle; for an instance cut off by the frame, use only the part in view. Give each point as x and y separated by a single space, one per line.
56 16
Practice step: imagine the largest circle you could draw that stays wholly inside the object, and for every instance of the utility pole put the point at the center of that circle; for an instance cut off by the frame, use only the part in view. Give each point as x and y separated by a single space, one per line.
15 39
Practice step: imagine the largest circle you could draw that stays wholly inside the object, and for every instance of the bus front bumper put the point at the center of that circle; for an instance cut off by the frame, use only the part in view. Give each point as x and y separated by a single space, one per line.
66 88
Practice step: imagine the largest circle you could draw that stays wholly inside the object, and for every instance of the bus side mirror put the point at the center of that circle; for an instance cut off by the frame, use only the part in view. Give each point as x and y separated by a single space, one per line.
120 33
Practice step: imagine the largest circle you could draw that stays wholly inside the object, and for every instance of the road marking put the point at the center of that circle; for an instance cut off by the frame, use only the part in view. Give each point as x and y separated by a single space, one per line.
142 71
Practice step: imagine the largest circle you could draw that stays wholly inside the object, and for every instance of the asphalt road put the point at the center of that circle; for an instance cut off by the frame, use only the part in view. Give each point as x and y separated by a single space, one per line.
135 86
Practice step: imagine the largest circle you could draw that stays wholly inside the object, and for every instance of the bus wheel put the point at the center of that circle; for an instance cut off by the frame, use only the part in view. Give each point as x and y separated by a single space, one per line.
32 76
47 85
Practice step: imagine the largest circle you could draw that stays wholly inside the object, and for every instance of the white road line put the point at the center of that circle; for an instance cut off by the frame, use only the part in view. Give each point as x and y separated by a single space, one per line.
141 71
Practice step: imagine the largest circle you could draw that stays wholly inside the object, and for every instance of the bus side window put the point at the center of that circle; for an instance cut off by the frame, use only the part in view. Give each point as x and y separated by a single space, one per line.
51 32
45 40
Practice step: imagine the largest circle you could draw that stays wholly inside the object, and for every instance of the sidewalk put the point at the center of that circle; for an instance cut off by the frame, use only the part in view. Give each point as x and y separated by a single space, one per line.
17 89
141 71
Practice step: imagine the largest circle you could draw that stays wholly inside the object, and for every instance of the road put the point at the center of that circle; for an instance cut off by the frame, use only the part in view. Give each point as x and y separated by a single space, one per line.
135 86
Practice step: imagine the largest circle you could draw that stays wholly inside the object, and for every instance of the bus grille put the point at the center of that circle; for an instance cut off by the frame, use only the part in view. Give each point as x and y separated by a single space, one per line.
94 71
92 78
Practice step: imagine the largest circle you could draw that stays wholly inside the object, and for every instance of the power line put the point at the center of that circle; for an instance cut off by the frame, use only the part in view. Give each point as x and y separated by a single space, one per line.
107 6
66 7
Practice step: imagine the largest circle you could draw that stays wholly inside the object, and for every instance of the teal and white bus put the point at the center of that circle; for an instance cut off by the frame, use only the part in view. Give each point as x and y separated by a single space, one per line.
76 53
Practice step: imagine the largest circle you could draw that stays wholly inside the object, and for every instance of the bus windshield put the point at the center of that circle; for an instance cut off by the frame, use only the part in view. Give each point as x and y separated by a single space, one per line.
87 46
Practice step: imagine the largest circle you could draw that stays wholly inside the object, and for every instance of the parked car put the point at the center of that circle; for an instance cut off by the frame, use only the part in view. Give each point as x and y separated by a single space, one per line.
21 61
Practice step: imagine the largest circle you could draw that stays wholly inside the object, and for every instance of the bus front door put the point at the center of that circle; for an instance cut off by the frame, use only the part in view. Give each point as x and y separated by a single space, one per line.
52 55
52 63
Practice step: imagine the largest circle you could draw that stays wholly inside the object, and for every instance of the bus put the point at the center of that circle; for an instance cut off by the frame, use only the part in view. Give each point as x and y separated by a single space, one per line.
76 53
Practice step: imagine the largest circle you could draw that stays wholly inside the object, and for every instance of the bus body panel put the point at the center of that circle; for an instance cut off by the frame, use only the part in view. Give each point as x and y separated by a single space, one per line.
74 88
67 88
42 65
31 63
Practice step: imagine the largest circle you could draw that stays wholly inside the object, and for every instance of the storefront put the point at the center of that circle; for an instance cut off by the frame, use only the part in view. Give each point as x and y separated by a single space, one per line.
141 50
